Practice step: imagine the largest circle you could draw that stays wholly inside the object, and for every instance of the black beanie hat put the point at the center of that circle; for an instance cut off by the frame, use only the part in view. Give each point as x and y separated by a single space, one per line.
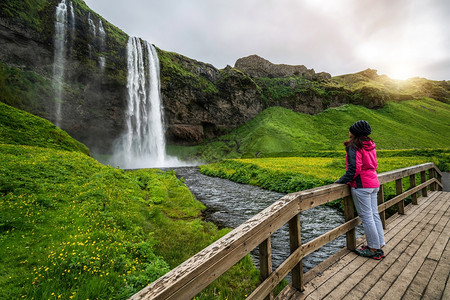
361 128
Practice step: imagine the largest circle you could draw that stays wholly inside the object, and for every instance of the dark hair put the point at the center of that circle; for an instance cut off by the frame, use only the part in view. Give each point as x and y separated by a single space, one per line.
356 141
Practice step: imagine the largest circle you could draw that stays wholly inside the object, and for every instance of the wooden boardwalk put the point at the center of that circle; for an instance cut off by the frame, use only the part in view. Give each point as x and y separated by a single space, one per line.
417 260
416 266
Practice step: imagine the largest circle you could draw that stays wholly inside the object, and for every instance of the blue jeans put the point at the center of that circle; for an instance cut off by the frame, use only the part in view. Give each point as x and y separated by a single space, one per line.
366 204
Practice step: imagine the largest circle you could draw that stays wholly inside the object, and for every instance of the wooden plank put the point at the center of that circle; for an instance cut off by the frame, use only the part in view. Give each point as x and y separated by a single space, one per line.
406 255
398 288
349 213
440 244
421 280
344 265
204 267
325 238
279 274
446 294
399 191
439 178
371 271
412 184
196 273
436 169
288 293
265 262
400 173
431 175
367 271
423 277
423 178
275 278
402 196
322 195
435 288
295 241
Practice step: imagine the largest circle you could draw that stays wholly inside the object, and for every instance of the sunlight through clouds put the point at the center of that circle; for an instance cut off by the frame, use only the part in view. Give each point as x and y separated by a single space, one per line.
402 38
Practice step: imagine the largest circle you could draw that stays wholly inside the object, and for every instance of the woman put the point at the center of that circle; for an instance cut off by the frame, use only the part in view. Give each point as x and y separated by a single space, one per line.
361 175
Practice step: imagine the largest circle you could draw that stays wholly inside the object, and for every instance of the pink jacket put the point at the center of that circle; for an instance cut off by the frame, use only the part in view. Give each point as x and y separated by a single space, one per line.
361 167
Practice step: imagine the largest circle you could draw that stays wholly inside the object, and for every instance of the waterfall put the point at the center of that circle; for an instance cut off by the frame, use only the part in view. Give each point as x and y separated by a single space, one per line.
72 19
101 30
102 36
92 27
59 56
102 63
143 142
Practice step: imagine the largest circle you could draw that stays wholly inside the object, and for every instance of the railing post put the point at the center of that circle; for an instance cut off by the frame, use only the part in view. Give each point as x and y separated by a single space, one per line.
412 184
295 242
349 213
265 262
439 178
399 190
431 174
423 178
380 200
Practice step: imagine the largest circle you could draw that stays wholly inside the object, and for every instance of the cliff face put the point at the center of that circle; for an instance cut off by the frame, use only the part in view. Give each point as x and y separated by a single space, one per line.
199 100
257 66
93 97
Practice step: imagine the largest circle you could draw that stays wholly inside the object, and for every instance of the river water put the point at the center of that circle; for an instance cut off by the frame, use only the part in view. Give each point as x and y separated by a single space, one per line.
230 204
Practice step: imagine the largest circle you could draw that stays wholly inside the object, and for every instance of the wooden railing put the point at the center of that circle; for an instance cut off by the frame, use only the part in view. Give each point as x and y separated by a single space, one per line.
192 276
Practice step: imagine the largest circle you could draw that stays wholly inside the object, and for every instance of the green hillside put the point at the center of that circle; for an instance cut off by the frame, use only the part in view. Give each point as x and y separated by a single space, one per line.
413 124
72 228
18 127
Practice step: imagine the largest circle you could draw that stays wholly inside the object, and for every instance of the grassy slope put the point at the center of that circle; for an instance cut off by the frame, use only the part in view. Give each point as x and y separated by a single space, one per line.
291 174
20 128
73 228
414 124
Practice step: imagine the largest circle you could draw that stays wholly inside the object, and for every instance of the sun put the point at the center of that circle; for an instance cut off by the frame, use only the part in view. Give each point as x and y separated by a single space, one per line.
400 73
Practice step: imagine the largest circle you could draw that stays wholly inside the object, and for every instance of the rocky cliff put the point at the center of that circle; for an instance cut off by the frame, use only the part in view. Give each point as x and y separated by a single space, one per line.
257 66
93 98
199 100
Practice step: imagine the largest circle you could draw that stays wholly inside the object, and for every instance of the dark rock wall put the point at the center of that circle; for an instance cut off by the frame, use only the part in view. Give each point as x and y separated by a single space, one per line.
93 100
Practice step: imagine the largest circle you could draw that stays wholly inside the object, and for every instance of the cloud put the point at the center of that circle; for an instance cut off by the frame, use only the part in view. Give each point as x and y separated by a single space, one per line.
339 37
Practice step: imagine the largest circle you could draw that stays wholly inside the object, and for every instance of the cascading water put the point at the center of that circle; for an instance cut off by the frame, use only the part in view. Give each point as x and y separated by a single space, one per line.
101 30
71 23
72 19
59 56
102 36
92 27
93 31
143 142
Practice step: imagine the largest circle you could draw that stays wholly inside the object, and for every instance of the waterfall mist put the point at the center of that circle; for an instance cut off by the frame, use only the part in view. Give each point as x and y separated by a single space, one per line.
142 144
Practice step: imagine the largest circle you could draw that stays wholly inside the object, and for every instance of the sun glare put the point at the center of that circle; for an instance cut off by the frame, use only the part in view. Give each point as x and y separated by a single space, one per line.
399 73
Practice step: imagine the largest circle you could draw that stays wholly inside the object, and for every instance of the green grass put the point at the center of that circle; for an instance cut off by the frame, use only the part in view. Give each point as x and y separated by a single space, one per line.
177 69
72 228
26 10
21 128
24 89
291 174
414 124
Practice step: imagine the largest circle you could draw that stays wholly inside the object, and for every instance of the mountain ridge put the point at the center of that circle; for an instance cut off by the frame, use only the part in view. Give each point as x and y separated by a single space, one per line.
200 101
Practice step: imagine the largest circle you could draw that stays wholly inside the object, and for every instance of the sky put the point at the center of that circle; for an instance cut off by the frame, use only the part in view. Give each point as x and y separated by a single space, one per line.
399 38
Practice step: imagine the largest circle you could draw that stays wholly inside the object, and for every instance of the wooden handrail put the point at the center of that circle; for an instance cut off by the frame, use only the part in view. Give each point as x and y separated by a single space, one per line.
192 276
